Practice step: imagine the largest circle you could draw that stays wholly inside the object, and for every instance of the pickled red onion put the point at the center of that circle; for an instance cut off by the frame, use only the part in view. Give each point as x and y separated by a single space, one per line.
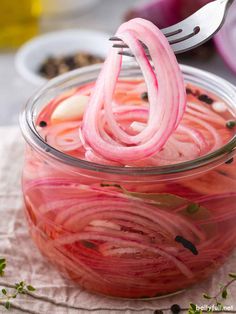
119 237
165 88
63 136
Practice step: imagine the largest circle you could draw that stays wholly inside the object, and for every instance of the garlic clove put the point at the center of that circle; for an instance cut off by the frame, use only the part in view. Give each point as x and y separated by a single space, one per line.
70 109
219 106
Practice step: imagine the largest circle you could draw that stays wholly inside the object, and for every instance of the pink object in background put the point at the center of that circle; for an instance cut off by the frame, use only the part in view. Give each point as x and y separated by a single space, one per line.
164 13
161 12
225 40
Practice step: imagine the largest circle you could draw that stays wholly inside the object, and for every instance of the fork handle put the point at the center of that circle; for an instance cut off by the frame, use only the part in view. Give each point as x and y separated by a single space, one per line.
228 2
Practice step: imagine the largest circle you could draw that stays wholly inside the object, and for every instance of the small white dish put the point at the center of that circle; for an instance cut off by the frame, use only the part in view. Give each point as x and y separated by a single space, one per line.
32 54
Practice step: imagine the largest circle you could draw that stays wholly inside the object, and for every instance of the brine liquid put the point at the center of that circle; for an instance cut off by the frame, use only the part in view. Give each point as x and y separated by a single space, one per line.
134 237
202 130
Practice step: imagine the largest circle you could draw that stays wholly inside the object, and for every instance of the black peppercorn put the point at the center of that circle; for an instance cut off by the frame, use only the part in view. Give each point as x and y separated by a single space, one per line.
206 99
175 309
158 312
231 124
189 91
229 161
55 65
88 244
42 124
187 244
144 96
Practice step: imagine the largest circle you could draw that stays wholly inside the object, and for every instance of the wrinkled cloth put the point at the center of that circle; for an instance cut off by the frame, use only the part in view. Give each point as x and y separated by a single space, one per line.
54 294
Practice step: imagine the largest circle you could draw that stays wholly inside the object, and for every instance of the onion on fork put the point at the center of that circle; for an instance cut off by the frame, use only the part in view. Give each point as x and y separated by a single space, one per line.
165 87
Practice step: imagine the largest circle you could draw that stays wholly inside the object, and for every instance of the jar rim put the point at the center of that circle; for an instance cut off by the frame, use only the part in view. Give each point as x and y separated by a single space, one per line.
33 138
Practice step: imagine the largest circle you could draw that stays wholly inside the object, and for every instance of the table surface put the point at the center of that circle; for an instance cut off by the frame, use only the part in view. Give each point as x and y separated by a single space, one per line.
106 16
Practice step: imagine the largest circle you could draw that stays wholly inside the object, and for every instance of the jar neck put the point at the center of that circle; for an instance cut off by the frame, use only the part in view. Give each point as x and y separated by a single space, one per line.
79 77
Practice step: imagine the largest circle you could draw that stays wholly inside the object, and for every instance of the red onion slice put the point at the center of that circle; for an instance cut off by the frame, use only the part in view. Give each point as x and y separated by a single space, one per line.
160 12
63 136
165 88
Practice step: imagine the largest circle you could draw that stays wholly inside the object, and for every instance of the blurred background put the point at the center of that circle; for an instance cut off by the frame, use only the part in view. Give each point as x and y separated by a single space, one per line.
66 34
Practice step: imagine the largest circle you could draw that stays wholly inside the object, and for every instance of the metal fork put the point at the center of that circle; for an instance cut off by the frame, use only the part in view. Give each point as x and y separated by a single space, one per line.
191 32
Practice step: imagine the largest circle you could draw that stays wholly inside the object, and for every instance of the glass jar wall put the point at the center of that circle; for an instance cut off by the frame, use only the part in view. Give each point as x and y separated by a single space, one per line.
130 232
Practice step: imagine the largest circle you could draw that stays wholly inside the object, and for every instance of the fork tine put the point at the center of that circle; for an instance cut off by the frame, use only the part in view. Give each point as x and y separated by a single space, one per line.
171 41
114 38
180 27
123 45
184 37
193 31
120 46
186 29
189 43
126 53
130 54
168 32
176 43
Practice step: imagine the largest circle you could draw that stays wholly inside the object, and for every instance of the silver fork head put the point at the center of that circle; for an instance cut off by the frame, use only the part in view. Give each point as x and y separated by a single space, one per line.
191 32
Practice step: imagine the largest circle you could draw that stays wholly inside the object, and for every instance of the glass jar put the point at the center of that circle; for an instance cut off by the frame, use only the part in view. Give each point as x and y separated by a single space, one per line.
130 232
